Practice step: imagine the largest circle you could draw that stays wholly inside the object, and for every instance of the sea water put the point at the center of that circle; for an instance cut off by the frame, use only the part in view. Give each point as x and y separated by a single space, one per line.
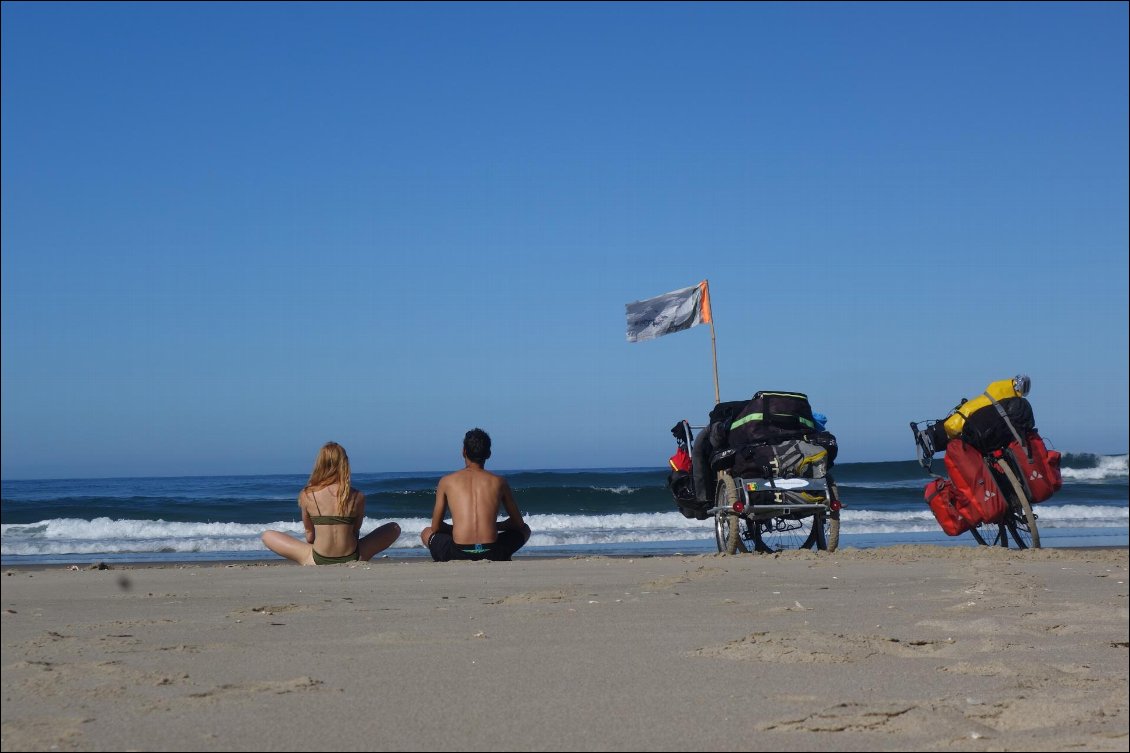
605 511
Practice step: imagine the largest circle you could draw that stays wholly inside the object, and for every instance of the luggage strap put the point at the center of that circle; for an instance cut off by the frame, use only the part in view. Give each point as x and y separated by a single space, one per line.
1008 423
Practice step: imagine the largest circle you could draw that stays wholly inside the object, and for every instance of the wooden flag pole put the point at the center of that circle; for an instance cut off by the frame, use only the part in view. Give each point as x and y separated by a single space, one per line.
713 344
714 348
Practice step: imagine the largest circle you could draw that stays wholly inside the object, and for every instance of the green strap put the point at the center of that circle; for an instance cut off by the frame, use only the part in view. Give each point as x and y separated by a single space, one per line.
747 419
761 417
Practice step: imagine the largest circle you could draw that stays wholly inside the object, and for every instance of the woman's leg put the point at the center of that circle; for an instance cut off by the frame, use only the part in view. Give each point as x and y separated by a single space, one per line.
378 540
289 547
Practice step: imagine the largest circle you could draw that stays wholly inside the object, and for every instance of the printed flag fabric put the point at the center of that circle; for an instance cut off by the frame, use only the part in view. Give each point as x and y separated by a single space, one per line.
667 313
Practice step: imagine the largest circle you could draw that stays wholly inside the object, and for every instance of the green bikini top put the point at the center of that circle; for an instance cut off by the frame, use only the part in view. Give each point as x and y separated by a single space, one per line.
333 520
330 520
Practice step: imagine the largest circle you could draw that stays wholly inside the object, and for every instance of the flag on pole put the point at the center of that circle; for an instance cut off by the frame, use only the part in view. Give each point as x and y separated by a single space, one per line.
667 313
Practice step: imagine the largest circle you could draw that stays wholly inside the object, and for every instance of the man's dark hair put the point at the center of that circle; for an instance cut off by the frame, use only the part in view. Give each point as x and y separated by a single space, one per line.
476 446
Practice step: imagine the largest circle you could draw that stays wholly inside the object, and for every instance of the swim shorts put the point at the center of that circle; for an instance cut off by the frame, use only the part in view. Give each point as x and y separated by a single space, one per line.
444 548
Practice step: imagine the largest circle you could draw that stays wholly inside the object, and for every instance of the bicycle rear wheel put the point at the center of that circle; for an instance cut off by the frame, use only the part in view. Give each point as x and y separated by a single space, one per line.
780 533
832 533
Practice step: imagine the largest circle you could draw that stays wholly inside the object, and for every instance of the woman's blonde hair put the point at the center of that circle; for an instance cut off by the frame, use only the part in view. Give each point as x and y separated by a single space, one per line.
332 465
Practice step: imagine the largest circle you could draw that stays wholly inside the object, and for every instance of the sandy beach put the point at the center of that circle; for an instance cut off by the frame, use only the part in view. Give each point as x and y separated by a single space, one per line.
901 648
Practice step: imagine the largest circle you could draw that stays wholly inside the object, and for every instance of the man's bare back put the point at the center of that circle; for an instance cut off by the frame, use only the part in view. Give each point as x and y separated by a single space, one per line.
474 496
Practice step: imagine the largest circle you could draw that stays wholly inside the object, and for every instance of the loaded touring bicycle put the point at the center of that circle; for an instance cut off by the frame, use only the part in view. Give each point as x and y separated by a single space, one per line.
761 469
999 467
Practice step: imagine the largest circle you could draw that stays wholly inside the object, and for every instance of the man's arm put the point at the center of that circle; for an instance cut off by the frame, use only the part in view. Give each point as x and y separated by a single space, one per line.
514 520
440 508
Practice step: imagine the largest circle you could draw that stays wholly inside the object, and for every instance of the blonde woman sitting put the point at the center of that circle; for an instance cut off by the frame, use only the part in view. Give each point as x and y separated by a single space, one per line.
332 513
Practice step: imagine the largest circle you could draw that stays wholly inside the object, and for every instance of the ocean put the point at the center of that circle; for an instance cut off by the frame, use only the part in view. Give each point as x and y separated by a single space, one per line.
605 511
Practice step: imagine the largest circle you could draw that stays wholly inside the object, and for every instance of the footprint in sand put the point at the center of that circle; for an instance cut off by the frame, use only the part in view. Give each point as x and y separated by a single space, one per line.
811 647
272 609
553 596
277 687
702 571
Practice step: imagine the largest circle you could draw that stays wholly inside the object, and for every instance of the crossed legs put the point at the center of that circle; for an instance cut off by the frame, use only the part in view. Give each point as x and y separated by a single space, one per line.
368 546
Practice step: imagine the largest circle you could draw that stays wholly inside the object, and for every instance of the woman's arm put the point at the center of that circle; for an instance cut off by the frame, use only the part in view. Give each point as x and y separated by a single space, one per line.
306 522
359 512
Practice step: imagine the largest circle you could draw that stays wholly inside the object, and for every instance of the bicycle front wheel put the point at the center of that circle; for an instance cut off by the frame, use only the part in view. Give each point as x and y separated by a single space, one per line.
1019 520
989 534
727 525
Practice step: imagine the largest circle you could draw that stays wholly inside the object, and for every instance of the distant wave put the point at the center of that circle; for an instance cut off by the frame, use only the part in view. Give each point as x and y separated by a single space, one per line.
108 536
1093 468
583 510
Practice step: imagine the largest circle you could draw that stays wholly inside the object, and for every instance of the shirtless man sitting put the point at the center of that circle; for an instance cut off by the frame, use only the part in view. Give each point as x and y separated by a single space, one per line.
474 496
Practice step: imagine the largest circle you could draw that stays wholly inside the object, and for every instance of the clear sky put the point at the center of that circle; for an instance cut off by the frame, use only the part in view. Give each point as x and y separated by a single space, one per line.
232 232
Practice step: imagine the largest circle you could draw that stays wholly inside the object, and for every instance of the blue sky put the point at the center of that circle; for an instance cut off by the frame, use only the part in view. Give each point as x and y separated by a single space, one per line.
232 232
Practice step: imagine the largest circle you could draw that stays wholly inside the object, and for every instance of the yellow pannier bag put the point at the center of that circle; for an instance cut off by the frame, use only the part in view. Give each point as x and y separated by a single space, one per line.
1018 386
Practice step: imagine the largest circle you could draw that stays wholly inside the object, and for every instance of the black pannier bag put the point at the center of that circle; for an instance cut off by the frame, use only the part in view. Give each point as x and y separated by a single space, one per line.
772 427
727 411
827 440
753 461
936 436
986 430
721 416
772 417
681 485
792 458
723 460
700 467
711 451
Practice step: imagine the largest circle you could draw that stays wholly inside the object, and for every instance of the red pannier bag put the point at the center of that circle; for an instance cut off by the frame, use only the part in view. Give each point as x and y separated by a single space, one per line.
952 512
680 461
1040 474
974 481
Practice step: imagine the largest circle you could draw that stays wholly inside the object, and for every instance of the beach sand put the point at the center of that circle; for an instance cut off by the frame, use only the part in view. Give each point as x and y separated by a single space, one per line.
899 648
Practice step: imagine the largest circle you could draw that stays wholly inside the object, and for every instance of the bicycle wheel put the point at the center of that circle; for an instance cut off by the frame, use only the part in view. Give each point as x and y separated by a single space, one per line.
1019 519
722 525
727 525
727 533
739 533
989 534
787 532
832 535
